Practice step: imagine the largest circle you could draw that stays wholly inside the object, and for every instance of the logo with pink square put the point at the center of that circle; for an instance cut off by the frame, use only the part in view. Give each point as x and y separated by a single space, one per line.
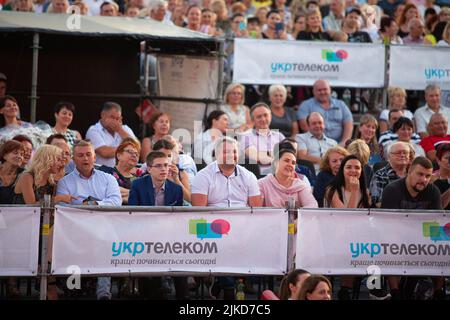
436 232
204 230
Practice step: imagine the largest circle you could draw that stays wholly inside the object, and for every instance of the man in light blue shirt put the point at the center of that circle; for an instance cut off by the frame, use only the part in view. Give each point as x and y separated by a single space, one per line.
90 187
337 116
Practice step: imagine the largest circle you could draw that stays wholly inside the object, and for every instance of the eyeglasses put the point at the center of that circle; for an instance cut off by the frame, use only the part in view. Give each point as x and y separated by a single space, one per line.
131 152
160 166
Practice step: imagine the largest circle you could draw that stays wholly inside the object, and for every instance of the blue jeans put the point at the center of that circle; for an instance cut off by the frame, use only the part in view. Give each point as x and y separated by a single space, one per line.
103 287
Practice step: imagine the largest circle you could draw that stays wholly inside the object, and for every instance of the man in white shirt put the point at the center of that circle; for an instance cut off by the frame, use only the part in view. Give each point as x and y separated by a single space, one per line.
313 144
224 183
108 133
422 115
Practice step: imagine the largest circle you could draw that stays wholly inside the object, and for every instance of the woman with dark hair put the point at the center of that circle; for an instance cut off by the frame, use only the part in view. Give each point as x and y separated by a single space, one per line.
275 26
215 128
404 129
348 190
28 148
64 112
11 158
315 287
292 283
11 115
194 15
159 126
389 31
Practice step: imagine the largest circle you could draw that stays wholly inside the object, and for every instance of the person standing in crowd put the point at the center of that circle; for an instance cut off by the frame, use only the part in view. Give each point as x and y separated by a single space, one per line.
414 192
11 115
438 134
258 144
397 100
127 156
313 144
276 189
404 129
108 133
64 112
338 118
348 190
283 118
159 126
422 115
27 148
238 114
367 130
315 287
175 175
216 127
89 186
292 283
276 29
396 168
329 167
314 30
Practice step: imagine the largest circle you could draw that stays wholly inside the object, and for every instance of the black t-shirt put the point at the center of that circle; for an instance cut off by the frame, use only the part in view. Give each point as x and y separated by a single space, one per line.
443 185
359 37
314 36
396 196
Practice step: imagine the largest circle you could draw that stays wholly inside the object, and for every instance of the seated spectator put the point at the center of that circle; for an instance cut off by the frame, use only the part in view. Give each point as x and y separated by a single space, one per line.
314 30
238 114
352 25
58 6
132 12
329 168
404 130
69 165
338 118
242 191
11 158
108 133
348 190
438 134
261 14
276 29
371 16
422 115
389 31
23 5
88 186
299 25
159 126
11 115
445 41
258 144
292 283
194 14
175 174
208 23
283 118
409 12
397 100
415 36
109 9
216 127
238 26
157 11
414 192
442 176
276 189
314 144
360 149
333 21
28 148
315 288
79 6
367 130
64 112
398 162
127 156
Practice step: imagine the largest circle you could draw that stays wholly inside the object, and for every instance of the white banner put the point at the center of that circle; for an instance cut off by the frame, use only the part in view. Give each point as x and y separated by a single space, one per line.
353 242
144 242
414 67
19 241
304 62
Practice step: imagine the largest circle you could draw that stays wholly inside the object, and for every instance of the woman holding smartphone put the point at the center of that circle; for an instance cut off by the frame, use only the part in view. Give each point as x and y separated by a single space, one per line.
275 27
